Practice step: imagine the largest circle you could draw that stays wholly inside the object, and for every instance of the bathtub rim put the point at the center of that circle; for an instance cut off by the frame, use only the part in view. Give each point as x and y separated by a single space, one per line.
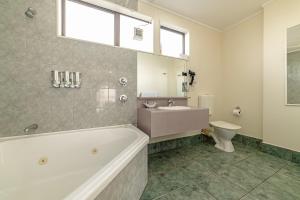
74 131
94 185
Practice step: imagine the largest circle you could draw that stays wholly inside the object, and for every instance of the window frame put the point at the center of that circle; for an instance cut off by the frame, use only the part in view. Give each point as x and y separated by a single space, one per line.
183 34
117 25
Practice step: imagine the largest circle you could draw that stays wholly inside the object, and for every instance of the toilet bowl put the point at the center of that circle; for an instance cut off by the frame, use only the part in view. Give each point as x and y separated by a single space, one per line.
223 133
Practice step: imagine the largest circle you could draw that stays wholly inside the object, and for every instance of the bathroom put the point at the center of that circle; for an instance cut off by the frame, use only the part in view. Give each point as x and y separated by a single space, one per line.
149 100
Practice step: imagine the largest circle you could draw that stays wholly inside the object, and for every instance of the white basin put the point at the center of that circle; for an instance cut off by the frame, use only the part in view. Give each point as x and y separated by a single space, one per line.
173 108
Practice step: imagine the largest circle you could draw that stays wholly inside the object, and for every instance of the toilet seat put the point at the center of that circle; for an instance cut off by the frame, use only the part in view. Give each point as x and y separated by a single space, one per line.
225 125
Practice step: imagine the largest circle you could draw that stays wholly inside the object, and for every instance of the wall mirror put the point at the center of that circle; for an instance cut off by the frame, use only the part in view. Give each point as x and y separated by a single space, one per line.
293 66
160 76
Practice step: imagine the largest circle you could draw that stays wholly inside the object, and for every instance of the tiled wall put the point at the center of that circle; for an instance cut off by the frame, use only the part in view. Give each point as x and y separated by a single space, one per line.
130 183
30 49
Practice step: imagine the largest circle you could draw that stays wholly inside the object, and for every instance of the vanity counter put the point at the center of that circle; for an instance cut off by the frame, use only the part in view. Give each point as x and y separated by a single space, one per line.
157 123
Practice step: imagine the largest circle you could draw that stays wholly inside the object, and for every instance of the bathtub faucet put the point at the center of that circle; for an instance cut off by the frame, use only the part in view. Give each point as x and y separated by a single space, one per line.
32 127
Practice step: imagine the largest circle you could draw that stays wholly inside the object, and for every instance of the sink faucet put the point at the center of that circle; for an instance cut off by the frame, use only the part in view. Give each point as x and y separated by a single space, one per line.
171 102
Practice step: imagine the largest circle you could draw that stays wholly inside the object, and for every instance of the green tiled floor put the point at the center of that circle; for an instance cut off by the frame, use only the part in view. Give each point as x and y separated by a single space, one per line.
202 172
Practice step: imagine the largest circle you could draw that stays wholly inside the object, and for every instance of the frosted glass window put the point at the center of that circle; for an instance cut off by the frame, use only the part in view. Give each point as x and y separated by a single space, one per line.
127 29
172 42
89 23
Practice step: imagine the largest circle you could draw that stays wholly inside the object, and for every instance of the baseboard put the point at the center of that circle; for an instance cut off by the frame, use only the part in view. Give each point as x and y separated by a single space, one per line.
279 152
174 143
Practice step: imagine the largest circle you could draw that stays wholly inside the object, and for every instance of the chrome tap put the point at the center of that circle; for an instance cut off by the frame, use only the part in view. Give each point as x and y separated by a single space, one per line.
171 102
31 127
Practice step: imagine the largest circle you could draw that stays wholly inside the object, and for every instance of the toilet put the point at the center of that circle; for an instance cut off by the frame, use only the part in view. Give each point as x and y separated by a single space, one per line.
223 131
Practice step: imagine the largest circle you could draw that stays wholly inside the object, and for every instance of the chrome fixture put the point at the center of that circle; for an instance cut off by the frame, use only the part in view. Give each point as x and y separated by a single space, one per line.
123 98
66 79
72 79
123 81
31 127
77 83
171 102
30 12
55 79
61 79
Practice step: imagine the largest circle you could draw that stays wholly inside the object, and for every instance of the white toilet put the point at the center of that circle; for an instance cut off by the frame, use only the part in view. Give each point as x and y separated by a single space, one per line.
223 133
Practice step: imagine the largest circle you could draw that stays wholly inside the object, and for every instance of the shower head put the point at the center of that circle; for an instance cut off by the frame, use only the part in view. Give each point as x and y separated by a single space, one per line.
30 12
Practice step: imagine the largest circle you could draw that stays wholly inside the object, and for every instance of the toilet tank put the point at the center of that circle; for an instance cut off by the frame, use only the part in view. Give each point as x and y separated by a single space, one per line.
206 101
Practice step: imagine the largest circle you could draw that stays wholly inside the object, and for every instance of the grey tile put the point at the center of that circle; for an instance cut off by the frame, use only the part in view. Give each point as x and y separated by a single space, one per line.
240 177
157 186
130 182
292 170
261 165
267 191
258 170
30 49
188 193
248 197
219 187
159 164
247 170
286 183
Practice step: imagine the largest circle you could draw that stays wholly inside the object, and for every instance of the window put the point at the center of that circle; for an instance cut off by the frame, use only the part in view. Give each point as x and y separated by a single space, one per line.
85 21
173 42
128 37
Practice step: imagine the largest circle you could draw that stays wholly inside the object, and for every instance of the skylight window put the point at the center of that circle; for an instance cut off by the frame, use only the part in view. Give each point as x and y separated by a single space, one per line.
85 21
173 43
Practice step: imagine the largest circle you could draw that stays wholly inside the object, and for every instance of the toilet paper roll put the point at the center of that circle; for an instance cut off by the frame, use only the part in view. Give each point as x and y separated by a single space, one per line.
236 112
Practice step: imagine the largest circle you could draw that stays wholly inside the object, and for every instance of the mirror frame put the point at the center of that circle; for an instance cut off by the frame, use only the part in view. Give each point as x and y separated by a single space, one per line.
286 67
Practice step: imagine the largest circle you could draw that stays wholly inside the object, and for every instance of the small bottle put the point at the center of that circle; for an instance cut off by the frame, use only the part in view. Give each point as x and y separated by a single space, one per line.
55 79
72 79
77 79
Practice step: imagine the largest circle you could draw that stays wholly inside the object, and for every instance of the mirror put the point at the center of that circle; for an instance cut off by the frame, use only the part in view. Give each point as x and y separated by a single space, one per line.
293 66
160 76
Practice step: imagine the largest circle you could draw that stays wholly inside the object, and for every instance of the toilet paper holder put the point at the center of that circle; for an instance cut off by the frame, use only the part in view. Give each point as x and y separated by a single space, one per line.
237 111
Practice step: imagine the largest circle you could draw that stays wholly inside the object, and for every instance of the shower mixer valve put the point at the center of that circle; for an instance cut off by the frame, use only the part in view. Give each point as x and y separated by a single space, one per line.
66 79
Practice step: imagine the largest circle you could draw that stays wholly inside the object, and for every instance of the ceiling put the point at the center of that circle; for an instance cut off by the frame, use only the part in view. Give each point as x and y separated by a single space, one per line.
219 14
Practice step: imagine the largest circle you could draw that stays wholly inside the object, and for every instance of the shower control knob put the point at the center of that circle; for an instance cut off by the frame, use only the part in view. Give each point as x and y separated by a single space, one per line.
123 98
123 81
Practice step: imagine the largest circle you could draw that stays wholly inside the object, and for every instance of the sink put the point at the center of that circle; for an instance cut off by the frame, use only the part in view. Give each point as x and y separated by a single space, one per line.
174 108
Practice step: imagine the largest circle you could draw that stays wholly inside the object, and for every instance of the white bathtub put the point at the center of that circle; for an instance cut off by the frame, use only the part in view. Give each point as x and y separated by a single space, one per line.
75 165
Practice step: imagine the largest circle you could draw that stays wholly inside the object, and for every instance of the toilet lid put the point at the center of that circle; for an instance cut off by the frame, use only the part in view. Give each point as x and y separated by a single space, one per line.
225 125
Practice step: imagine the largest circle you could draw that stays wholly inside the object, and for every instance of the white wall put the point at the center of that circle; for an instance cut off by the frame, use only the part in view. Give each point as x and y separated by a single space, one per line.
245 66
242 61
281 125
205 52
